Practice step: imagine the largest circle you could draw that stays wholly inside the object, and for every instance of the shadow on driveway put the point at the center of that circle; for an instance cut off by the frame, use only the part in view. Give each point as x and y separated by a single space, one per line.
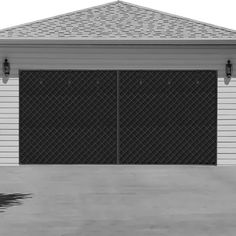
14 199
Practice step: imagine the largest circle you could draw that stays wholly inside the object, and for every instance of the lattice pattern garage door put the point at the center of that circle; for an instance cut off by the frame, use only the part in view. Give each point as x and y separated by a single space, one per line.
68 117
168 117
125 117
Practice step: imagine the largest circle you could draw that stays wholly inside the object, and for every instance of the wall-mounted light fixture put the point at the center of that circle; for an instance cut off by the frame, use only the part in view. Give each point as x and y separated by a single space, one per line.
228 71
6 70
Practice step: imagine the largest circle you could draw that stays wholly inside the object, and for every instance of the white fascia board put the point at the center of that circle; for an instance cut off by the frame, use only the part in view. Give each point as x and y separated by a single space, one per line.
44 41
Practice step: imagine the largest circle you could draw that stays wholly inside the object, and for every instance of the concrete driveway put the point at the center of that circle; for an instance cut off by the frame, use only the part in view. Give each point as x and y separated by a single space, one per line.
120 200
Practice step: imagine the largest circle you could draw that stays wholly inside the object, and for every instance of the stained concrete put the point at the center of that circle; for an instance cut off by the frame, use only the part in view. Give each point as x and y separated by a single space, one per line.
120 200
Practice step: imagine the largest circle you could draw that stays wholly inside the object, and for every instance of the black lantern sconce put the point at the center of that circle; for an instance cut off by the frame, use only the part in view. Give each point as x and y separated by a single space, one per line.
228 69
228 72
6 70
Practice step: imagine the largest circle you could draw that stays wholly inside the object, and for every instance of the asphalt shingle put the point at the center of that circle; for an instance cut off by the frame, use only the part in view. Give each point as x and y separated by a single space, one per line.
117 20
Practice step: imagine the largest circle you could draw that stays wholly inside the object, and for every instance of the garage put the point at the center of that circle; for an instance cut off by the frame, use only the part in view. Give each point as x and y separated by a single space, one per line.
118 84
118 117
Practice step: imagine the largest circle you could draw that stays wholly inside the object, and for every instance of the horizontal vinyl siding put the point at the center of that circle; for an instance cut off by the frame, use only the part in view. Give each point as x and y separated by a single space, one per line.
118 57
9 161
226 122
9 122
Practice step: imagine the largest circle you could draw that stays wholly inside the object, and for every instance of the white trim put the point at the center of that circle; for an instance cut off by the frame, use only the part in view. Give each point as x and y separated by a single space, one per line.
4 165
107 41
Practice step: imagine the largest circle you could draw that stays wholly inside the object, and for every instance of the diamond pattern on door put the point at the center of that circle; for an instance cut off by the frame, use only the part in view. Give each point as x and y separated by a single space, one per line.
68 117
159 117
168 117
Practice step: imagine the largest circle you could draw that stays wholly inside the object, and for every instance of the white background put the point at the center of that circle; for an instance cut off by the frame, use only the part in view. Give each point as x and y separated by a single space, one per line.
15 12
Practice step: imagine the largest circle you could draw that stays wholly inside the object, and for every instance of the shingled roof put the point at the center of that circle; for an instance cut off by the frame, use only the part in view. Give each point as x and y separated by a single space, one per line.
117 21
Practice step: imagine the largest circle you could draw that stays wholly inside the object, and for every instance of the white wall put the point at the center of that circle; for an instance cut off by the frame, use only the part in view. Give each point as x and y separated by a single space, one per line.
226 122
119 57
9 122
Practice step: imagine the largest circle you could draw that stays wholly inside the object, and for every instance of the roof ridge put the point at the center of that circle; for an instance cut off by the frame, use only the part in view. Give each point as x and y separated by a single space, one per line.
178 17
59 15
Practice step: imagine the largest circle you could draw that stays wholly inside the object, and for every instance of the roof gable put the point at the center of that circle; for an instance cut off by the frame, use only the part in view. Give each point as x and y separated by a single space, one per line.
118 21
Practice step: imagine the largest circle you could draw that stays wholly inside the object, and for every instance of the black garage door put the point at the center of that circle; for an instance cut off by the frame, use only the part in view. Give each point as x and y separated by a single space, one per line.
68 117
124 117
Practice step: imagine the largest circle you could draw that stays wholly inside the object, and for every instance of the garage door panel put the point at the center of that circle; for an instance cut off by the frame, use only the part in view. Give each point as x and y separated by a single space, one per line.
45 147
195 145
182 104
192 114
139 147
163 117
71 119
192 109
57 111
51 82
194 81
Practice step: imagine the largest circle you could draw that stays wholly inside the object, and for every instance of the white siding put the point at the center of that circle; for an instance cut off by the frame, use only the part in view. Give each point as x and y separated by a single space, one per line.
226 122
9 122
118 57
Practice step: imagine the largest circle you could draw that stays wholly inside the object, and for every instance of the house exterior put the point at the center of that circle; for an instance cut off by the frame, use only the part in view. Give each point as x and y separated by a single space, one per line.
117 84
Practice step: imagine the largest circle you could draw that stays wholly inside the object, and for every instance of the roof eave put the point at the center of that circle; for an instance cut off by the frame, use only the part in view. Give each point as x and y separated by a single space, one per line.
29 41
